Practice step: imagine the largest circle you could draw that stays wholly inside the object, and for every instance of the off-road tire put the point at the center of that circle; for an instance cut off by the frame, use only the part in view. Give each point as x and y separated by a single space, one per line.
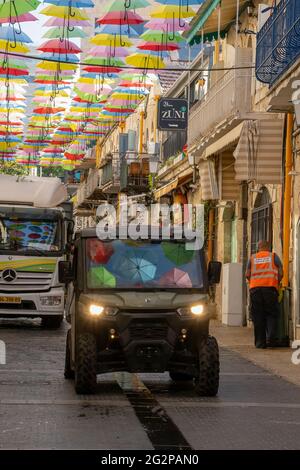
207 381
86 364
52 322
180 377
69 372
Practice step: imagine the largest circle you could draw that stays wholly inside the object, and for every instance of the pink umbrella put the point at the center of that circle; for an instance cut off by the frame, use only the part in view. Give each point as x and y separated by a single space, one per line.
106 51
176 278
62 22
167 25
18 19
91 88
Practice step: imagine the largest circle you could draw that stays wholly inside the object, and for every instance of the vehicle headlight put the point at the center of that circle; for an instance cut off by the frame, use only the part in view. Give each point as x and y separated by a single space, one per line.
197 309
51 300
96 310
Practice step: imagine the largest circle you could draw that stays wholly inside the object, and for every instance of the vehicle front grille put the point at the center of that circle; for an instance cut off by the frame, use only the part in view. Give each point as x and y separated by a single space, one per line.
148 330
26 282
24 305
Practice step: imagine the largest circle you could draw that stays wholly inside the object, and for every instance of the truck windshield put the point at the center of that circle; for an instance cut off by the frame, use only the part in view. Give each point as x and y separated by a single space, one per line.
29 236
142 265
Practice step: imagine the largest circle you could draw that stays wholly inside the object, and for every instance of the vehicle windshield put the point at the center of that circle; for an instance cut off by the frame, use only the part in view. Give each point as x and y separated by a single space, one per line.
142 265
29 235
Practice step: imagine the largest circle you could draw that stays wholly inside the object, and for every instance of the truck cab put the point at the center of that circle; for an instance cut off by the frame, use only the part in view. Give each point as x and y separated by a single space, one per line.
35 225
139 306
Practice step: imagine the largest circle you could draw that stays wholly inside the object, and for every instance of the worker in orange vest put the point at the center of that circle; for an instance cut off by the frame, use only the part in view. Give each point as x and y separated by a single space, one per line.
264 273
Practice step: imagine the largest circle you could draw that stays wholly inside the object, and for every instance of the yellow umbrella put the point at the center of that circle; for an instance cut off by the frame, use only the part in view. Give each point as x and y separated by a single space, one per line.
61 93
54 65
11 47
6 145
110 40
172 11
145 61
64 12
92 81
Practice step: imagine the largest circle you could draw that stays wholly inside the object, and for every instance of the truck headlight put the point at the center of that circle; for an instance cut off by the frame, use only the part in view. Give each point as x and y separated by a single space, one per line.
197 309
51 300
96 310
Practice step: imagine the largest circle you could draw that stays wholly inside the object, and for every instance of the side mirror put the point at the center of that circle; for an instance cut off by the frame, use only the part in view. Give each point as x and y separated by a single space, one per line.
214 272
70 231
65 272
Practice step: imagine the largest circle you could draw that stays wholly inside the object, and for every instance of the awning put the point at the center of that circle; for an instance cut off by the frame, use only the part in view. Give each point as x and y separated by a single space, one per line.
224 142
208 180
167 188
259 151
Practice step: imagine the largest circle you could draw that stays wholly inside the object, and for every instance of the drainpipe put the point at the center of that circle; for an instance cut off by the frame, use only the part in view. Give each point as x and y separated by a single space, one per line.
210 245
287 199
141 141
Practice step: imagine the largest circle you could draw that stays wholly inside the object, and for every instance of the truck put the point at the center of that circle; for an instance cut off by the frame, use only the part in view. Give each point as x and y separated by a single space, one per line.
35 228
139 306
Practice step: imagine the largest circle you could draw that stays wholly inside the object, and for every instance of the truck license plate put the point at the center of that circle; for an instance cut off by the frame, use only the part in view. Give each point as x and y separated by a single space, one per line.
10 300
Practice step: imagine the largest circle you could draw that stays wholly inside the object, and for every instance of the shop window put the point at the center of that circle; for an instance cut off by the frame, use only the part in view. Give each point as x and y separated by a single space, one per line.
261 223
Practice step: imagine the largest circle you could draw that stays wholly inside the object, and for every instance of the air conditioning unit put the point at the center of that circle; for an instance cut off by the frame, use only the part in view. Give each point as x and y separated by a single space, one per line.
232 294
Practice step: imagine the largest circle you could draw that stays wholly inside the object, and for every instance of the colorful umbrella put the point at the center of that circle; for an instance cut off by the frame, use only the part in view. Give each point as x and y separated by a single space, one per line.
176 278
177 253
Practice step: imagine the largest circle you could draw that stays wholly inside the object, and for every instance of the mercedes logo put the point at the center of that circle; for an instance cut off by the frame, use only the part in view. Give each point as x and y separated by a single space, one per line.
9 275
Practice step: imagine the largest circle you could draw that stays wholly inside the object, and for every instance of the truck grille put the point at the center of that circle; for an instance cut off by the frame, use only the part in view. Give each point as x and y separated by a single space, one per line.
24 305
26 282
148 330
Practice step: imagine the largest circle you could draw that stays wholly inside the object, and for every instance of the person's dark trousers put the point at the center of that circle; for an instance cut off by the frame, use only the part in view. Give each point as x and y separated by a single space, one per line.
264 312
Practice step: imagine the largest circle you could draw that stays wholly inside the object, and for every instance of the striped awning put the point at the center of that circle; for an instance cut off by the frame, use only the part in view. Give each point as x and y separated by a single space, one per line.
208 180
259 152
167 188
229 187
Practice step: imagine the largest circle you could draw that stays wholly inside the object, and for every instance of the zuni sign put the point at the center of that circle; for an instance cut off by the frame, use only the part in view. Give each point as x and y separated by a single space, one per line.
172 114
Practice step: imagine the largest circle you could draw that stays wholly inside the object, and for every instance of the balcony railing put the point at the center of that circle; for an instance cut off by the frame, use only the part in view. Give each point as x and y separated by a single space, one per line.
227 98
278 42
110 175
134 177
174 144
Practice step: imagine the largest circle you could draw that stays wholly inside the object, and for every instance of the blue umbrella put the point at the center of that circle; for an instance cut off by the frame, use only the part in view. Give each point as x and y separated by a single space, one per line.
124 30
7 33
183 3
65 57
133 264
73 3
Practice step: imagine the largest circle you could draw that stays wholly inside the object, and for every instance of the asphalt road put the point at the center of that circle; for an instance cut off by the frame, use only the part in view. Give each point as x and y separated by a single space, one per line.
40 410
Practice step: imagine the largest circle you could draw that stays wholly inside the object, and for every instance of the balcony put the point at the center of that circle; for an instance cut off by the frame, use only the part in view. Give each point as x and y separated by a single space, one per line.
278 42
110 175
134 175
227 100
89 191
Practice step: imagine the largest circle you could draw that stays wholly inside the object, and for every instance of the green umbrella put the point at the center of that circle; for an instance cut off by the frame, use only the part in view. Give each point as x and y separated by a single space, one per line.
162 38
59 33
177 253
118 5
104 61
99 277
10 8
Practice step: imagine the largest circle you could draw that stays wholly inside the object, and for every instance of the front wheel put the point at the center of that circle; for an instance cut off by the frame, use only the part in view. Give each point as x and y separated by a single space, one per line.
52 322
86 364
207 380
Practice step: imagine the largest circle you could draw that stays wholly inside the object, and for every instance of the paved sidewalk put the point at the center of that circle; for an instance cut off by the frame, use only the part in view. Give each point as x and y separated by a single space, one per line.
240 340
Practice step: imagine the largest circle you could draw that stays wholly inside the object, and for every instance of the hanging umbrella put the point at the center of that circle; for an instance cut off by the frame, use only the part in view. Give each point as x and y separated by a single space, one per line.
9 7
25 17
8 33
60 47
167 25
145 61
110 40
61 22
126 30
161 37
63 12
118 5
58 32
177 253
106 51
73 3
176 278
121 17
172 11
154 46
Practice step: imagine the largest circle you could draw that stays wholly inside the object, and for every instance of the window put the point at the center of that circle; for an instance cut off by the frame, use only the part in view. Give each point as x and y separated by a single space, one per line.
261 224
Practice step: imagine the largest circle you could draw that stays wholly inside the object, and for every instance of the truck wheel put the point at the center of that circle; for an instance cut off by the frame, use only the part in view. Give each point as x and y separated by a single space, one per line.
180 377
207 381
52 322
86 364
69 373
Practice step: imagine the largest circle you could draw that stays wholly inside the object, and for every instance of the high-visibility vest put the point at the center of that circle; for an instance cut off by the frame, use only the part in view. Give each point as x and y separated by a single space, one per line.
264 272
